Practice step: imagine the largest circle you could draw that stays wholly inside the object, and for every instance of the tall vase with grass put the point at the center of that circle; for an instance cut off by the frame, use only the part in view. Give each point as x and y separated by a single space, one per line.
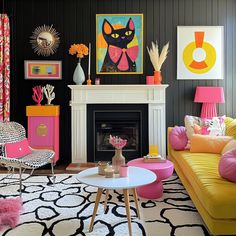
157 60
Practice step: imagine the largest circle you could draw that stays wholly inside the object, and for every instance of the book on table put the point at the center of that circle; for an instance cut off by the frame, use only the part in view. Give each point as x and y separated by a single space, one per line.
157 158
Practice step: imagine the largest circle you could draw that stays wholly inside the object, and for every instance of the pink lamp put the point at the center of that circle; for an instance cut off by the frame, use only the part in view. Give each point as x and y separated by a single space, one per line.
209 96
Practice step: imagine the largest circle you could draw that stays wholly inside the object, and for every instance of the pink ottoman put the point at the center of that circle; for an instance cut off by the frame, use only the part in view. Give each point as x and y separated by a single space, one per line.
162 171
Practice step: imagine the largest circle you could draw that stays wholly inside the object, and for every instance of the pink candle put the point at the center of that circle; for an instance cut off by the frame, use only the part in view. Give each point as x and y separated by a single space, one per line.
149 79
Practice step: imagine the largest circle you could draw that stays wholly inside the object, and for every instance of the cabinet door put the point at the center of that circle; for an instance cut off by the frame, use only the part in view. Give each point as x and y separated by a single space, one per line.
42 130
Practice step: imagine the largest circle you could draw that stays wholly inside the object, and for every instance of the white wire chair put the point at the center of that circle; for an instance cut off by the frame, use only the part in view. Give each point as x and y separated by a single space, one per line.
12 132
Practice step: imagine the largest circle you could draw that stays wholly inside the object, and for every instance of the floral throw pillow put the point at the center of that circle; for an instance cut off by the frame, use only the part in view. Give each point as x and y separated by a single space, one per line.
197 125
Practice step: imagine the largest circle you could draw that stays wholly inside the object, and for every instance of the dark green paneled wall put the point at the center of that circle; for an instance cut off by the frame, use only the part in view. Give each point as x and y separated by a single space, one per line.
75 21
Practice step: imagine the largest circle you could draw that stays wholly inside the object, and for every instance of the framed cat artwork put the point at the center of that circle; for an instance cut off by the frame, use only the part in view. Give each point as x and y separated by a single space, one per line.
119 43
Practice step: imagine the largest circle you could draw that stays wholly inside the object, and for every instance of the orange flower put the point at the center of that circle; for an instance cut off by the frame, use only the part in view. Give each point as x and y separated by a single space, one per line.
80 49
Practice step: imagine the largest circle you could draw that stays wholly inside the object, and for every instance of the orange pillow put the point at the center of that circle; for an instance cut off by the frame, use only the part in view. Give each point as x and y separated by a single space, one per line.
230 145
208 144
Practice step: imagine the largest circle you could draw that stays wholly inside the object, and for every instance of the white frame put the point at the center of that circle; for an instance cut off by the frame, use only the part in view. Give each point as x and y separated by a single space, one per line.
213 35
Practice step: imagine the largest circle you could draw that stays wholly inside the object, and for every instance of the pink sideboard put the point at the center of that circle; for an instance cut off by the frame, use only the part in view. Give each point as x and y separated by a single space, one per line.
43 127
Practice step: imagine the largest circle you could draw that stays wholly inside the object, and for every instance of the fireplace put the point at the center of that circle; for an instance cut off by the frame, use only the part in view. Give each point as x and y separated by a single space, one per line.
128 121
82 96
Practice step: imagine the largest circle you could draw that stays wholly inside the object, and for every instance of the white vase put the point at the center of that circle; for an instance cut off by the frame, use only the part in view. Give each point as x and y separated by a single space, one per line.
78 76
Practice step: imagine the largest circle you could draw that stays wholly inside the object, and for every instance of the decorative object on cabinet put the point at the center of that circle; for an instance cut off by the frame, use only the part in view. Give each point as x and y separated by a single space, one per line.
48 91
209 96
43 70
80 50
37 94
45 40
200 52
43 127
119 43
157 60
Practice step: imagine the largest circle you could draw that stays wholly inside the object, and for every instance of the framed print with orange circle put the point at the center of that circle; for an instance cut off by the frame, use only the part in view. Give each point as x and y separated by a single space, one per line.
200 52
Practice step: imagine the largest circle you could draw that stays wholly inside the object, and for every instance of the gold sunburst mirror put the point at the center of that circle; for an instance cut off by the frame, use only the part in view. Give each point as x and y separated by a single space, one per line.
45 40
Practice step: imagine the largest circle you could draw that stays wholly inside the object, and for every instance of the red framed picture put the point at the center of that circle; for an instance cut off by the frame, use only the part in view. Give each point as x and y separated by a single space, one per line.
43 70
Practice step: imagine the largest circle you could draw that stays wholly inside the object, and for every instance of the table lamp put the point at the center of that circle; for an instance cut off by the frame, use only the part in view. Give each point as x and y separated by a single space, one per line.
209 96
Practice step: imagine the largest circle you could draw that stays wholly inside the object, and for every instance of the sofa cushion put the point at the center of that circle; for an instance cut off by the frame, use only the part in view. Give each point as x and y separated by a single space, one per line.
178 138
230 145
230 126
208 144
227 165
197 125
216 194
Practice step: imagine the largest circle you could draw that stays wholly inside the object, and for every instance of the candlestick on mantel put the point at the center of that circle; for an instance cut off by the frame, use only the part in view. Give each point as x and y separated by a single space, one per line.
89 62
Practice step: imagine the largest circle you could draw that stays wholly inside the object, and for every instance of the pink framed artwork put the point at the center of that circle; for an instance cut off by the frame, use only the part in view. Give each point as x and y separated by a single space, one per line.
43 70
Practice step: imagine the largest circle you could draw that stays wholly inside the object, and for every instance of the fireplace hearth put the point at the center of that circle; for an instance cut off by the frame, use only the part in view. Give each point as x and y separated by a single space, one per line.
128 121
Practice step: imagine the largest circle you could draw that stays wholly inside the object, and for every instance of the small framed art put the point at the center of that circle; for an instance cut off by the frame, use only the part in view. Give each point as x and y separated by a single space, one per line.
200 53
119 43
43 70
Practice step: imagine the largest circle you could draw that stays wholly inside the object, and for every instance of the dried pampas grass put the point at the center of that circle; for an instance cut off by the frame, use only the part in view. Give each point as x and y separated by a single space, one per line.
156 59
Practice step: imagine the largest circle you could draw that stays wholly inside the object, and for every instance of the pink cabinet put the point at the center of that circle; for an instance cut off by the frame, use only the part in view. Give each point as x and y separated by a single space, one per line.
43 127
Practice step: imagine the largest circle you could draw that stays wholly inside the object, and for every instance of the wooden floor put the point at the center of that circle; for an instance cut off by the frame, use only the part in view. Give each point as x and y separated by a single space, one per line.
58 169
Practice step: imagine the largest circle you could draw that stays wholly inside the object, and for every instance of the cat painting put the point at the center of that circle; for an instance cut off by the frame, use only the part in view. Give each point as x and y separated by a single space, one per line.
120 56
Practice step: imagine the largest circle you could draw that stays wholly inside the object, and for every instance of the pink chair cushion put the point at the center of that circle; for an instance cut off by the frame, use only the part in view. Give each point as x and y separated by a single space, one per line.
18 149
227 165
178 138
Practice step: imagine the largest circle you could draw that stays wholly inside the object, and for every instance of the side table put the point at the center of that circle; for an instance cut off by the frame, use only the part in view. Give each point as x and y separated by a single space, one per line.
163 170
43 127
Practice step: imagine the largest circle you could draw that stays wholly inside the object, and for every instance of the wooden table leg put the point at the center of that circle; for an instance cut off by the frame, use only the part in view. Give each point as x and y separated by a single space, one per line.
106 198
98 197
127 207
136 201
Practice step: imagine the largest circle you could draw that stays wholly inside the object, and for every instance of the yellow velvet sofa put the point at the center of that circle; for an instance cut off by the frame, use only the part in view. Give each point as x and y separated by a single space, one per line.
213 196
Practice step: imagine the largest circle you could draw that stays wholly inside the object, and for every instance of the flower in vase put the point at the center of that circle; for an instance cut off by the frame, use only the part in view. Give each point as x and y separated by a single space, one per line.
117 142
80 50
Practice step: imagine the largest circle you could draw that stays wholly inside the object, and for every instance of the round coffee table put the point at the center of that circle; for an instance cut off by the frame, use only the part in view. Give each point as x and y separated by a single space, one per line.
163 170
136 177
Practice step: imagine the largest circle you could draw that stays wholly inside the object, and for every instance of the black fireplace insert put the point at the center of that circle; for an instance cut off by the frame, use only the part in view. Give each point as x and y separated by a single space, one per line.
128 121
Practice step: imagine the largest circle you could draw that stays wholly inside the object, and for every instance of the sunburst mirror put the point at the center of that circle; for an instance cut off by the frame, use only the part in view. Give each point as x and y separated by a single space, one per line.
45 40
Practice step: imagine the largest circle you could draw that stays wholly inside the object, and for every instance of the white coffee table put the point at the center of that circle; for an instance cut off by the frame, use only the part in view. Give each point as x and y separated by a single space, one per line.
137 177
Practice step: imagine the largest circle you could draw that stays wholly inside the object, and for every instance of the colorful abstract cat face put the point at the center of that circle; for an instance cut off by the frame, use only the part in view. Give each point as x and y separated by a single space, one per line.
118 37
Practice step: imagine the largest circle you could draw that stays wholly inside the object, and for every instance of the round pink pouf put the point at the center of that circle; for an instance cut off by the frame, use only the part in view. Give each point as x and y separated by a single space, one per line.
162 170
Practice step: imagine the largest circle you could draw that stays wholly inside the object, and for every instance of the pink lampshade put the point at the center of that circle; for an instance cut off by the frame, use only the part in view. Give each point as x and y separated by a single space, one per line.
209 94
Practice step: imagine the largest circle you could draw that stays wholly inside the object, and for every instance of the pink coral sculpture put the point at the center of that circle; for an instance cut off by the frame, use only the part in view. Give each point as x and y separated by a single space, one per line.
117 142
38 94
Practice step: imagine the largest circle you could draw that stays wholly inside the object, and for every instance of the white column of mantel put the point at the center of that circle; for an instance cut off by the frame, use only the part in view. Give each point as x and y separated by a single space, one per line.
79 133
157 127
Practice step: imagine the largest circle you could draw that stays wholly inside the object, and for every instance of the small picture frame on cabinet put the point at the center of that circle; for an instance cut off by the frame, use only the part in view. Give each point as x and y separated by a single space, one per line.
43 70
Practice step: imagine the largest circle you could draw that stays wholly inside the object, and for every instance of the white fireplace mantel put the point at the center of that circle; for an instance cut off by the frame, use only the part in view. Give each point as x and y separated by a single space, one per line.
81 95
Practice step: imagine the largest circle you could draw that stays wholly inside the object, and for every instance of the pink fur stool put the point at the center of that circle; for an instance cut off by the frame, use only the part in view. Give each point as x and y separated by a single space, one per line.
10 209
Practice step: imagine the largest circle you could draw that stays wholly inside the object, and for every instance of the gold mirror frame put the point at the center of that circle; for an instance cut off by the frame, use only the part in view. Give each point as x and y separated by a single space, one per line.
45 40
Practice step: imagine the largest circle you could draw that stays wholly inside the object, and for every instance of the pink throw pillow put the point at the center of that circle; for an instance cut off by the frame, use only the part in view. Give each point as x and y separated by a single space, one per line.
227 165
18 149
178 138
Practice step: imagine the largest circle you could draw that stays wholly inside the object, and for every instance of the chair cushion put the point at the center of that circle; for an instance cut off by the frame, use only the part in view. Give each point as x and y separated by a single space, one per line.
178 138
17 149
227 165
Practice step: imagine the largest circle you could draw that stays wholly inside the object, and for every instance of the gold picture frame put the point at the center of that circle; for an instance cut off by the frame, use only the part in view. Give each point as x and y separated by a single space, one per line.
119 43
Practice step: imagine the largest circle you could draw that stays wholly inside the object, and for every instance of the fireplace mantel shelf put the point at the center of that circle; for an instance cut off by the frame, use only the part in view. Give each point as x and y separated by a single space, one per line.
81 95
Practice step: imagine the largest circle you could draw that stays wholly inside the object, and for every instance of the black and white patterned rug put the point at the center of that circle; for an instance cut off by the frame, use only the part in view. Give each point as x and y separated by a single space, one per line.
66 209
